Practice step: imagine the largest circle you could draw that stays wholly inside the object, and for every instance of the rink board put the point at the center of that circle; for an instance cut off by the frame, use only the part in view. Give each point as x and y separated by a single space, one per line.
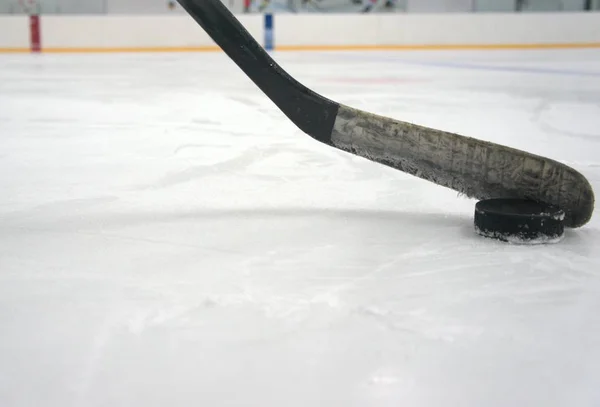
156 33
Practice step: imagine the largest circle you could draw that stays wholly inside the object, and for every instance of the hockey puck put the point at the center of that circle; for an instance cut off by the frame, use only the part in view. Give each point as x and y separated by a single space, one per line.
519 221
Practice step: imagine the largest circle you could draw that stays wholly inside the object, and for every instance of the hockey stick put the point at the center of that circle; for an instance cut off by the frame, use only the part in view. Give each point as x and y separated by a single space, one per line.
475 168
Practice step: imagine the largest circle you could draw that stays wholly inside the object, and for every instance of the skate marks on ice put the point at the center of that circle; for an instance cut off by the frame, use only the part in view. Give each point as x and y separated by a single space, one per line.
276 159
572 120
246 157
316 289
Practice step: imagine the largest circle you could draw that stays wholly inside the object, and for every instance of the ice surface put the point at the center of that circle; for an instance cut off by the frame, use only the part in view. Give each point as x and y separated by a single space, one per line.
169 238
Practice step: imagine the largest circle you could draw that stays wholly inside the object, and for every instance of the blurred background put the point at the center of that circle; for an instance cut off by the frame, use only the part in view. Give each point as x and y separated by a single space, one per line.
298 6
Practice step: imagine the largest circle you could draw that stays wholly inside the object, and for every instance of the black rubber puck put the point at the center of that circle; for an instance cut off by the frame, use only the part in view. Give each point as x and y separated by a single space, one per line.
519 221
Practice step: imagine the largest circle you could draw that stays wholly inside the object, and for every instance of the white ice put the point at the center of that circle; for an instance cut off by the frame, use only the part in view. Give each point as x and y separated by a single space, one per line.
169 238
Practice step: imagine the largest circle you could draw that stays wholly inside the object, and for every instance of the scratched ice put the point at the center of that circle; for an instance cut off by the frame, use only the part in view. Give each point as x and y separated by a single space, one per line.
169 238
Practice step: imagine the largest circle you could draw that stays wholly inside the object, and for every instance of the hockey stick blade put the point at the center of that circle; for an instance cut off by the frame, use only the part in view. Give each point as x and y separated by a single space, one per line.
475 168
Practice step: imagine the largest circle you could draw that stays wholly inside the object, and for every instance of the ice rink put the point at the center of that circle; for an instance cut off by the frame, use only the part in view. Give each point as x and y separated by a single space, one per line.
169 238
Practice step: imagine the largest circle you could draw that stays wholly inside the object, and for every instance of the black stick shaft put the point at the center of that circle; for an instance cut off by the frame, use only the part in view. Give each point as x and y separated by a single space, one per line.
311 112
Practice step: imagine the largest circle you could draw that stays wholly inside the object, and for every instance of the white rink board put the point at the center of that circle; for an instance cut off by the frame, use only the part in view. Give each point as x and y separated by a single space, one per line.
179 31
492 29
437 29
14 32
325 29
131 31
